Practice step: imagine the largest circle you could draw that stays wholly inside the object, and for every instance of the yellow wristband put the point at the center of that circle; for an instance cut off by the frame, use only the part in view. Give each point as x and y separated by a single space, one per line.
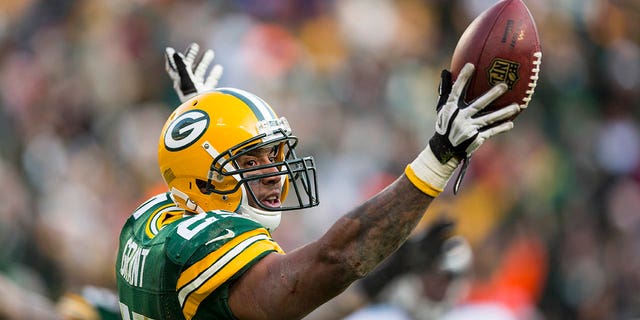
428 174
423 186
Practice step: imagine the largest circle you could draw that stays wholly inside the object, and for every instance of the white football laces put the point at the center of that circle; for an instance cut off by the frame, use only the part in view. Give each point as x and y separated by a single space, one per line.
534 80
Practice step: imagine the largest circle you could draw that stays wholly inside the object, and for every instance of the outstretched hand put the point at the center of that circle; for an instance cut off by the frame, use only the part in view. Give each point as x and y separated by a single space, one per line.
189 80
460 130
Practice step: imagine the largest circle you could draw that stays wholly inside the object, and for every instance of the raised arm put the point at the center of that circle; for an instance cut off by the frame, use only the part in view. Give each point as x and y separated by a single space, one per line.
290 286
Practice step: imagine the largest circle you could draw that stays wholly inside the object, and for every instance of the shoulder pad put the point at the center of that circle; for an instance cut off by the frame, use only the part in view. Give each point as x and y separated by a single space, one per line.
152 205
144 223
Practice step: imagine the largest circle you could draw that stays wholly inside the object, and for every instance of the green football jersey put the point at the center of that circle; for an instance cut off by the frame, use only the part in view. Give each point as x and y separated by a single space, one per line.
176 265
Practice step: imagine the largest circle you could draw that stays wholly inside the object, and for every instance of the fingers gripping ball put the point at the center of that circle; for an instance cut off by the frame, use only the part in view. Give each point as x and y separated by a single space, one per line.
460 130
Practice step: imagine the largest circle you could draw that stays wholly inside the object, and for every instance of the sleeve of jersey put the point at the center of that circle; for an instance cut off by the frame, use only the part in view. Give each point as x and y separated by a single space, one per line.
203 277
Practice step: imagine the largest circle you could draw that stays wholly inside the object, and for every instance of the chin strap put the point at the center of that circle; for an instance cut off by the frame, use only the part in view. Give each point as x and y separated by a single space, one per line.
189 204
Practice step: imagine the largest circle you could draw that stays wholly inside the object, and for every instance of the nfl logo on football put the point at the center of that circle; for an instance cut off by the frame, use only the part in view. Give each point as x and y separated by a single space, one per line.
502 70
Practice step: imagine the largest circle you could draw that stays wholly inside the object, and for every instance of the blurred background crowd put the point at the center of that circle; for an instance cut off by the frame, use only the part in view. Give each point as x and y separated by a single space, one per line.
551 209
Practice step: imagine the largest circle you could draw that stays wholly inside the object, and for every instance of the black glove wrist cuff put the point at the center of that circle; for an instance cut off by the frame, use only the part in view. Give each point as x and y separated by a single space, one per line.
442 148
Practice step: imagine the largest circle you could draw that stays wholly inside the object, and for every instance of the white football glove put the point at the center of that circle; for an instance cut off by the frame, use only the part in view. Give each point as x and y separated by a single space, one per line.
189 80
460 130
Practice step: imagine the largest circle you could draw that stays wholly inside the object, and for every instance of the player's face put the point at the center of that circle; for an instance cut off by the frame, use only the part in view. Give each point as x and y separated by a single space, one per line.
266 190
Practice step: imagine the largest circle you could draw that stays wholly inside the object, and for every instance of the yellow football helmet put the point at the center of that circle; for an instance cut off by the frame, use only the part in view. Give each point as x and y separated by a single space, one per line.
202 140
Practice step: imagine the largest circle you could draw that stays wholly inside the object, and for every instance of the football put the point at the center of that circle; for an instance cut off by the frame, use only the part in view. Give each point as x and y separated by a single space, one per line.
503 44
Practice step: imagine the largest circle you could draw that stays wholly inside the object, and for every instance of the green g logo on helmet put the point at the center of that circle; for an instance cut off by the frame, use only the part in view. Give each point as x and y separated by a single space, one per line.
185 130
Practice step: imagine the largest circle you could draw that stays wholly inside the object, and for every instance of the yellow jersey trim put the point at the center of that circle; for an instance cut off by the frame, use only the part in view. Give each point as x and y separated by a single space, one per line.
206 275
159 219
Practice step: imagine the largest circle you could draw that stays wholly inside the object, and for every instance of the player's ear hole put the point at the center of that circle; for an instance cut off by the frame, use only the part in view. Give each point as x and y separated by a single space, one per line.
202 186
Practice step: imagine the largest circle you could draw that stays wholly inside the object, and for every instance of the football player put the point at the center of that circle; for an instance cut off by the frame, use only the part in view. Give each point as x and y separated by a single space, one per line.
203 250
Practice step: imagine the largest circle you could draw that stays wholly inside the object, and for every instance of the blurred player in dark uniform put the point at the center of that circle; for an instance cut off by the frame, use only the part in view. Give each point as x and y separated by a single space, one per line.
204 250
423 280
